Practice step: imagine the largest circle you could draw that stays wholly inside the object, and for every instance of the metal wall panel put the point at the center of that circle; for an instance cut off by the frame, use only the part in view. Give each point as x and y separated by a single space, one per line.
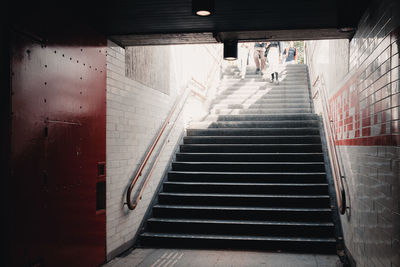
58 138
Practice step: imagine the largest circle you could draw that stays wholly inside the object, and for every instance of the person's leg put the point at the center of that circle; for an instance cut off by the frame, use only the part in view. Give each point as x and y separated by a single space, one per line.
274 61
262 59
256 60
243 67
242 61
271 62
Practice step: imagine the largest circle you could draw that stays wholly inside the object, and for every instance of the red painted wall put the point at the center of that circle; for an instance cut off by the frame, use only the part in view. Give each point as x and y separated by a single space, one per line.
58 139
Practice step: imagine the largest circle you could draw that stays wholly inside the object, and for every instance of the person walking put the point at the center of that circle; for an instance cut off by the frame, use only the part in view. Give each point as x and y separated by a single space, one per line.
290 53
243 59
259 58
274 52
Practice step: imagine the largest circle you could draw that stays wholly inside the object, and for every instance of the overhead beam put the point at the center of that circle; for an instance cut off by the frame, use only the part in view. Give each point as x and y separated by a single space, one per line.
244 36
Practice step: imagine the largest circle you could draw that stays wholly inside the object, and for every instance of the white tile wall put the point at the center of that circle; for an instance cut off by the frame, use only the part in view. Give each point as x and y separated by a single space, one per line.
135 113
134 116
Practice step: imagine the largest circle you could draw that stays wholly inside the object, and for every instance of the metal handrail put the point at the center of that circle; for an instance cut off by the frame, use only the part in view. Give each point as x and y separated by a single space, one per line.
331 140
133 205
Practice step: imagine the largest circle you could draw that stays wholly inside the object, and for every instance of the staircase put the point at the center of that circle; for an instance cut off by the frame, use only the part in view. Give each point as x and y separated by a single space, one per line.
250 176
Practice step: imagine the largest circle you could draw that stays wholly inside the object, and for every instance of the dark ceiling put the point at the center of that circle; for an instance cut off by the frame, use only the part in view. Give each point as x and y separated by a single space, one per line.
131 22
146 22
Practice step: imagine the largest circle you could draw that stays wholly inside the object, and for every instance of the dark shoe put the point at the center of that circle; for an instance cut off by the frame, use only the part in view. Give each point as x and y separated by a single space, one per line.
257 71
276 80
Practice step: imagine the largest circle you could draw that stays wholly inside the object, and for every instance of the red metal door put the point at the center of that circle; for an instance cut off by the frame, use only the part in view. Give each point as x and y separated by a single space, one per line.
57 141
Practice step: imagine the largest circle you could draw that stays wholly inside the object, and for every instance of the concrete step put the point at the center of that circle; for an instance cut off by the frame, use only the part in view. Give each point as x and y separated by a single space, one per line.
249 157
265 124
248 177
261 106
241 227
243 213
246 188
270 95
303 72
266 95
247 81
253 132
282 77
311 139
273 200
262 111
250 148
249 166
263 101
264 92
316 245
252 86
209 124
229 80
307 116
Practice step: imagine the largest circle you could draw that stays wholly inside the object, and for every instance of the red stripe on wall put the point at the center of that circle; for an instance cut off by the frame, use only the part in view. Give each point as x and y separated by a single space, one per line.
368 96
367 141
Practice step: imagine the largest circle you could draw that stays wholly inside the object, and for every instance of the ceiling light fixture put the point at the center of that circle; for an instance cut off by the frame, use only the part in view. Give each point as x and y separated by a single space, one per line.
202 8
231 50
347 29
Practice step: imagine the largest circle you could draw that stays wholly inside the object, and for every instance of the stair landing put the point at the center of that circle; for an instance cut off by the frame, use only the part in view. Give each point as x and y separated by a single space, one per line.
207 258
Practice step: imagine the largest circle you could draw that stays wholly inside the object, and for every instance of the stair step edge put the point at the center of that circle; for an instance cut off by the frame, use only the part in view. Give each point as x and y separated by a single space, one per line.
326 224
243 195
242 208
246 184
229 237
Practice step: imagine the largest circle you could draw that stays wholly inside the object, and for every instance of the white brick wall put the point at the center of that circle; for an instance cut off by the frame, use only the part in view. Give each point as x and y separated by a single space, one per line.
135 113
372 224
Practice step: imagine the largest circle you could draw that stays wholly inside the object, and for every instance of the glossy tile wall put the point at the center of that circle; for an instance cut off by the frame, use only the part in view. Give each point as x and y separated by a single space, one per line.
135 114
365 109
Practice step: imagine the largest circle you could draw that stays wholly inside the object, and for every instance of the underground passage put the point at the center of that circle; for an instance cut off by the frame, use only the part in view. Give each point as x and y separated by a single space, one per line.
201 133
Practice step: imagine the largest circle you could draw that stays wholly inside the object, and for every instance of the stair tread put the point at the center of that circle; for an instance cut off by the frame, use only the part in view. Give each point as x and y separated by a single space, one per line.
245 184
245 208
232 123
269 121
307 116
238 237
249 163
258 128
238 153
256 145
242 195
250 136
184 220
284 114
250 173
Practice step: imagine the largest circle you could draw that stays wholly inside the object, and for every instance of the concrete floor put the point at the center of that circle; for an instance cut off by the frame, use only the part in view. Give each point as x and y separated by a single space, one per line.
203 258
